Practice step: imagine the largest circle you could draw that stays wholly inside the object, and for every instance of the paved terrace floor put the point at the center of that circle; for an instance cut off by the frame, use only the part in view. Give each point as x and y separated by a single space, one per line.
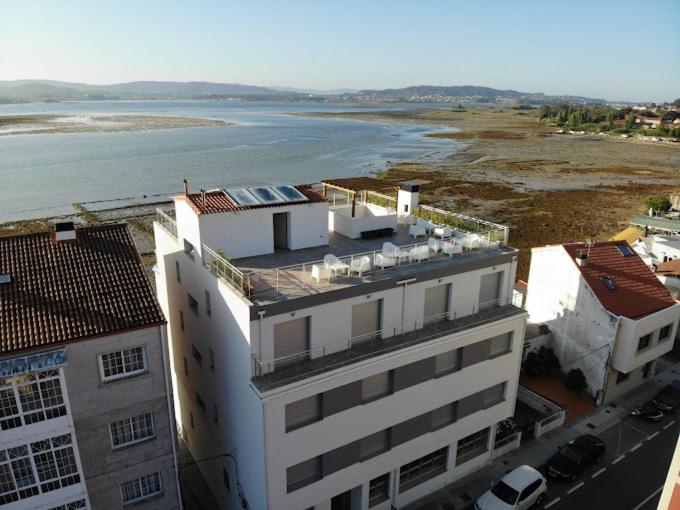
305 367
270 287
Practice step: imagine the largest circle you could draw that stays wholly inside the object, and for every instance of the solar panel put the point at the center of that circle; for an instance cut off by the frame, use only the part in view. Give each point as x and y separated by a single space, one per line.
242 196
266 195
625 250
290 193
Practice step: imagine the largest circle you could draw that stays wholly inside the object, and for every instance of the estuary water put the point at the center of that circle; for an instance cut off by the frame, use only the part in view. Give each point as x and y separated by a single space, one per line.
42 175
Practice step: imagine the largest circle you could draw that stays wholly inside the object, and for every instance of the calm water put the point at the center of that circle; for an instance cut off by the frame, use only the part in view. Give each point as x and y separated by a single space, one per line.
44 174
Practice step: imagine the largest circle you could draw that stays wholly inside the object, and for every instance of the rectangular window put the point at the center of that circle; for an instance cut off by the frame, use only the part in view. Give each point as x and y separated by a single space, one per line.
186 367
476 353
30 398
443 416
191 419
366 320
373 445
500 345
490 290
189 249
123 363
436 303
177 272
141 488
472 446
208 308
620 377
37 468
216 414
132 430
643 342
71 505
225 479
376 386
422 469
471 404
448 362
197 355
665 332
199 402
193 304
494 395
211 359
378 490
303 474
291 341
181 320
303 412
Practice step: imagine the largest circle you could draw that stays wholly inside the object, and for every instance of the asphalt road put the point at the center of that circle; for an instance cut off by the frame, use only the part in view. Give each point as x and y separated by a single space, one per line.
631 474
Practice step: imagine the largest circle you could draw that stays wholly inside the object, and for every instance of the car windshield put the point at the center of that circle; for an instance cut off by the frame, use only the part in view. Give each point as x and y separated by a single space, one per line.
505 493
571 455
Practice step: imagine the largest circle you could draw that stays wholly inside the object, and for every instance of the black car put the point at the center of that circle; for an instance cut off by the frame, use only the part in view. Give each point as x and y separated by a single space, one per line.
648 411
576 455
667 402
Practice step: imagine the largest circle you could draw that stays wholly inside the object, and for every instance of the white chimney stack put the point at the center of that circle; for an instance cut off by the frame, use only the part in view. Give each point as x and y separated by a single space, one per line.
581 258
407 199
64 231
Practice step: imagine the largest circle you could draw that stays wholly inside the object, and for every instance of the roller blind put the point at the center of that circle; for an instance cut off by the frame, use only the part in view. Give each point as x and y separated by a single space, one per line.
366 320
436 302
291 340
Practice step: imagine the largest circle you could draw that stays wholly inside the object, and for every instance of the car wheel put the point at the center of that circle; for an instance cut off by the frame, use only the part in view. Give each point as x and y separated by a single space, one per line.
540 499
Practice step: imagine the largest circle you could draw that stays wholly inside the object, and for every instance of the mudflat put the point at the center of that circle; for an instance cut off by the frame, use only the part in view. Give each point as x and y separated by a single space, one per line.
548 187
93 122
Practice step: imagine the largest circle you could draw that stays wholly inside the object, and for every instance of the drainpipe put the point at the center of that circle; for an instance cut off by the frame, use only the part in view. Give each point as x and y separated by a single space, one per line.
171 416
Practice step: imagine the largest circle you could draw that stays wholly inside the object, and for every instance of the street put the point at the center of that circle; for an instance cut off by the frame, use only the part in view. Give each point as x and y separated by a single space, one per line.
631 474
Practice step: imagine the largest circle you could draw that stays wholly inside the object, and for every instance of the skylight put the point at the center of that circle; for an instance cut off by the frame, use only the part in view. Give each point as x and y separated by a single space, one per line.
5 278
608 282
625 250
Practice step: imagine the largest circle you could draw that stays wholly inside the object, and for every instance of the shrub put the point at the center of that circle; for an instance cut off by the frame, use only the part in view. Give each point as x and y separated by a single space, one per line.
541 363
658 204
543 329
575 381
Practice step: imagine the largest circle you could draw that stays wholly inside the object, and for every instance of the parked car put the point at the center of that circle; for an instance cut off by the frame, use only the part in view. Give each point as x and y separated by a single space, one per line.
667 401
576 455
520 489
649 411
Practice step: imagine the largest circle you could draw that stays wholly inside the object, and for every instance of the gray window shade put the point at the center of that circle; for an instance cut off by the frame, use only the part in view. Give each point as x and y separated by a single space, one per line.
410 429
494 395
500 344
376 386
443 416
475 353
471 404
304 473
341 398
340 458
291 341
436 302
303 412
489 290
448 362
414 373
366 320
373 445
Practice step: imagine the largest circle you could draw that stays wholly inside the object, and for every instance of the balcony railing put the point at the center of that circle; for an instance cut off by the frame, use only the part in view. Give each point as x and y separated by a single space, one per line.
463 223
219 265
280 371
165 221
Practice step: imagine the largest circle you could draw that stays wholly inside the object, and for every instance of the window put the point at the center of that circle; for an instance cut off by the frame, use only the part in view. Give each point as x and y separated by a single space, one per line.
625 250
303 474
421 470
472 446
303 412
199 402
665 332
530 489
620 377
643 342
208 308
73 505
181 320
193 304
608 282
448 362
191 419
291 341
37 468
141 488
366 320
189 249
494 395
211 359
499 345
436 303
30 398
186 367
376 386
197 355
124 363
177 272
216 415
378 490
225 479
443 416
132 430
490 290
373 445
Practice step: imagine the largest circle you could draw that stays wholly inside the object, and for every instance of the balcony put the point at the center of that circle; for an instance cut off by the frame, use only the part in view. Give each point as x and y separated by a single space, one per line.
275 373
168 224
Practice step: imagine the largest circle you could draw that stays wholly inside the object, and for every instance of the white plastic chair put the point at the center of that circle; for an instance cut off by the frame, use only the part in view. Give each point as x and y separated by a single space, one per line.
383 261
335 265
419 253
416 231
319 272
434 244
360 265
393 251
427 225
451 248
443 232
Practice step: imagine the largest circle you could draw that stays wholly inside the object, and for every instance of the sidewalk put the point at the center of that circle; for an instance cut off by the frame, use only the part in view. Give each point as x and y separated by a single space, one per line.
462 494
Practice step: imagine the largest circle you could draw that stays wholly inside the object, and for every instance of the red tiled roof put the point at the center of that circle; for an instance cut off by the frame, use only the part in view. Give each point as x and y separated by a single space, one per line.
638 292
71 290
219 202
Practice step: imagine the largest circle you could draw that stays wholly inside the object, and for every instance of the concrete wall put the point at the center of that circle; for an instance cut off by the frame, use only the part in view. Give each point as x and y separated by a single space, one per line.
367 217
96 404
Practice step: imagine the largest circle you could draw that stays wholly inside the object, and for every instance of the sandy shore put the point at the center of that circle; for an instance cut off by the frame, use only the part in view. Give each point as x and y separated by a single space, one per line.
94 123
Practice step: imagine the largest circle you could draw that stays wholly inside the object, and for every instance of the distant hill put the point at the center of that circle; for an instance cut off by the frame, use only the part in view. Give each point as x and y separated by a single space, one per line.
46 90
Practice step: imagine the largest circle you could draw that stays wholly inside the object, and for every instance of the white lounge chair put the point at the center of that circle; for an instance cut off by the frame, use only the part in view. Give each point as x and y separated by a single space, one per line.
451 248
383 261
443 232
427 225
416 231
419 253
335 265
360 265
469 242
319 273
393 251
434 244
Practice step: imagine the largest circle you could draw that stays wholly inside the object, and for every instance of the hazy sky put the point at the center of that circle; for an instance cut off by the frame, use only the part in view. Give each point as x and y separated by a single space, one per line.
613 49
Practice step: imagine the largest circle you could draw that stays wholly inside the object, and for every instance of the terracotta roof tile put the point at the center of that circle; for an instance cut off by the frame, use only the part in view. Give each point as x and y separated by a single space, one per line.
638 292
217 201
70 290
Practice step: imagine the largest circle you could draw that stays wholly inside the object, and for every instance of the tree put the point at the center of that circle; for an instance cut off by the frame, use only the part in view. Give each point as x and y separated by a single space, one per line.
658 204
630 121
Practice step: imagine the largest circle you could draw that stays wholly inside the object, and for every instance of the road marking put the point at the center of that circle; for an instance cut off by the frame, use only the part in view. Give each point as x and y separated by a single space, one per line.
669 424
599 472
636 447
553 502
576 487
648 498
634 428
652 436
618 459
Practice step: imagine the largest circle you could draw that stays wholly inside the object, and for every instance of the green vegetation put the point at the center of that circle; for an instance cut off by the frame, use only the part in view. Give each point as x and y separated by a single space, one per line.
576 380
659 204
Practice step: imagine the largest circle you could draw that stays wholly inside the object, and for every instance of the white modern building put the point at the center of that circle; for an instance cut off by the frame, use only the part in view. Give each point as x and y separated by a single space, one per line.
85 405
608 313
335 371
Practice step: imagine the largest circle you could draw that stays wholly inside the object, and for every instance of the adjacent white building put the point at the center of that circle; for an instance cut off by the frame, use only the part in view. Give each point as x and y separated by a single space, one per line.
367 381
608 313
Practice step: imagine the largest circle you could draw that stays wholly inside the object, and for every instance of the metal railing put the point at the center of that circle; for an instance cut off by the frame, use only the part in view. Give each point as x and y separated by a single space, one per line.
282 370
219 265
385 201
168 223
463 223
507 441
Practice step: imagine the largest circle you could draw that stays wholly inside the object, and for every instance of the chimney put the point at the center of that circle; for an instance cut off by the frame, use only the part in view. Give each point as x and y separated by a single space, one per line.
64 231
186 187
203 197
581 258
407 198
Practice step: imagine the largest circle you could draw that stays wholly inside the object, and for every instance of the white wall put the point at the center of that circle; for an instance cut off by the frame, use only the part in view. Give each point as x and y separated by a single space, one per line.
367 217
